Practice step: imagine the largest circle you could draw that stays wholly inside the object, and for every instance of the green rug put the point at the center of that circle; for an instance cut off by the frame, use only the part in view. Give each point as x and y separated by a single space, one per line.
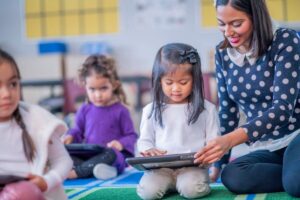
218 193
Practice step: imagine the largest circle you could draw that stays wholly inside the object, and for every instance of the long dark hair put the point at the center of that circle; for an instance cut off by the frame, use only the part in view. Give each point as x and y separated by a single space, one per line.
28 145
103 65
257 10
168 59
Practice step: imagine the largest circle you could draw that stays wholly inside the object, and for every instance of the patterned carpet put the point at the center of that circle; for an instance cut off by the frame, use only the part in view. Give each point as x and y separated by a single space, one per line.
124 186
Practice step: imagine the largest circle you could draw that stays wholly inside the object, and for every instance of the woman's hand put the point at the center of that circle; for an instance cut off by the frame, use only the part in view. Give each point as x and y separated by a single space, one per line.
115 144
38 181
68 139
213 151
153 152
216 148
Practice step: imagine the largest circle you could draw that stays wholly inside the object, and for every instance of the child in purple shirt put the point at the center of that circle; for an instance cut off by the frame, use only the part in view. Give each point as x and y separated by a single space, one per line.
103 120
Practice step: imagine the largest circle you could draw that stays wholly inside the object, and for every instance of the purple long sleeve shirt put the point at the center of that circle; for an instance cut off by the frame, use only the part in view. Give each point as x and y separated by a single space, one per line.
100 125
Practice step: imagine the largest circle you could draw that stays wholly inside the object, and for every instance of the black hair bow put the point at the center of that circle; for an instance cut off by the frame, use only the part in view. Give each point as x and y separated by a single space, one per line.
188 55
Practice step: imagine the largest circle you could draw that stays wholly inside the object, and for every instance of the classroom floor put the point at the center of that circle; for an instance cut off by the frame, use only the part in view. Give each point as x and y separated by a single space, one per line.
124 187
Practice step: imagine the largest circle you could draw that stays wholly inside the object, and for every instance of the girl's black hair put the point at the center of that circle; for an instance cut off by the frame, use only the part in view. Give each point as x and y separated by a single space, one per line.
105 66
28 145
167 60
257 10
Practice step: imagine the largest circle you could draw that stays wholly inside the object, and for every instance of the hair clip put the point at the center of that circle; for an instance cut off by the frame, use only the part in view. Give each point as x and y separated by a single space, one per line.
192 58
189 55
182 52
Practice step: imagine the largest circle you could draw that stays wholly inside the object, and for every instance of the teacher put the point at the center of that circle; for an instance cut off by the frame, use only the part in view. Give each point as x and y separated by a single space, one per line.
258 73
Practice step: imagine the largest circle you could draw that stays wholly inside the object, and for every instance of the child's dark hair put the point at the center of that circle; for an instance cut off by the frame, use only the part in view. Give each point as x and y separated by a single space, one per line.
28 144
257 10
167 60
103 65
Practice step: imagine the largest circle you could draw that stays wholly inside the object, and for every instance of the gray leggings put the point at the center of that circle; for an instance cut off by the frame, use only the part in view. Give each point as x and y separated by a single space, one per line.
84 166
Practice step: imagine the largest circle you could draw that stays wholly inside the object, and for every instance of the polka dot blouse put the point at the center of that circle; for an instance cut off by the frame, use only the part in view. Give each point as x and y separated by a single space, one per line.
266 91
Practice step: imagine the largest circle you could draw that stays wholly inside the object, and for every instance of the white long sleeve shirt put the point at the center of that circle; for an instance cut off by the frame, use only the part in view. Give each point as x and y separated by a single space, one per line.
52 161
177 136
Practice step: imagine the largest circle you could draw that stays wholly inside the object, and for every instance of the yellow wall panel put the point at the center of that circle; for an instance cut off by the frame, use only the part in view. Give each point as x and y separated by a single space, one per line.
52 5
111 23
276 9
208 13
90 4
53 26
109 3
32 6
91 23
54 18
293 10
33 28
71 23
71 5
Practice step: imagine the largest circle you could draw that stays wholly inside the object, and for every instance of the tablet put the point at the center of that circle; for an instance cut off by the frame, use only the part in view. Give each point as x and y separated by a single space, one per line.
164 161
6 179
79 149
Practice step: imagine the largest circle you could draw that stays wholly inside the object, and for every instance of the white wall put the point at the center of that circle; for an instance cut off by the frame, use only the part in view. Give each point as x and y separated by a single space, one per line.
134 48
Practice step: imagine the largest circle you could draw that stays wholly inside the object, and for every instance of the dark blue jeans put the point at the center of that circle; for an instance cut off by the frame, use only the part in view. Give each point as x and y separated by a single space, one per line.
264 171
84 166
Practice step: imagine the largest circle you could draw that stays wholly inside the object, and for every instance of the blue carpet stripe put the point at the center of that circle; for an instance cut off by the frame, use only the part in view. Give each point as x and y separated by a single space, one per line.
129 177
250 197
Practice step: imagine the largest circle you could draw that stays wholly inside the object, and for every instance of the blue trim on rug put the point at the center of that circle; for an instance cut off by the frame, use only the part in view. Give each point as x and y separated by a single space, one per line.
250 197
131 179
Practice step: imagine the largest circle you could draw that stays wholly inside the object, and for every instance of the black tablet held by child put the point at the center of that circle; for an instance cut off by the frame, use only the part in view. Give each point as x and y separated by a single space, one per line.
6 179
84 149
164 161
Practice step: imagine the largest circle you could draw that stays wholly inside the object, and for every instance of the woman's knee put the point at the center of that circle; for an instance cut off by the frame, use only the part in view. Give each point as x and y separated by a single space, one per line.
21 190
291 185
291 168
234 179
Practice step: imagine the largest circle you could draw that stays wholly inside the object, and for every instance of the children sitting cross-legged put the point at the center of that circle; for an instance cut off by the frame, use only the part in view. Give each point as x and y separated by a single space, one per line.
103 120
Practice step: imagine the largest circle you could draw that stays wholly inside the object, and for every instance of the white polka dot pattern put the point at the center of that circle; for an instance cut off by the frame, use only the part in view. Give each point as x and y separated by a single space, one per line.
266 91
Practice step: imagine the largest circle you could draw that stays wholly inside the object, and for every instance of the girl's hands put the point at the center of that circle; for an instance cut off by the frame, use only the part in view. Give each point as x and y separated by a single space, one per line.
153 152
116 145
68 139
38 181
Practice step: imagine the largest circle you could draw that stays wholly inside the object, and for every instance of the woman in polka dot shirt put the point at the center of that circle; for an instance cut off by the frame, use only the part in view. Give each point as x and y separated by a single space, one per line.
257 73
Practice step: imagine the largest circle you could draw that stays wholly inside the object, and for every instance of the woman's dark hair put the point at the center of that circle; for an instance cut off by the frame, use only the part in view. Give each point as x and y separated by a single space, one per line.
262 25
103 65
167 60
28 144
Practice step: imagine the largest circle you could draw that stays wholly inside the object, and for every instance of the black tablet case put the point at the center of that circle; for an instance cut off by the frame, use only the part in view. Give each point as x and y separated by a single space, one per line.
165 161
6 179
84 149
